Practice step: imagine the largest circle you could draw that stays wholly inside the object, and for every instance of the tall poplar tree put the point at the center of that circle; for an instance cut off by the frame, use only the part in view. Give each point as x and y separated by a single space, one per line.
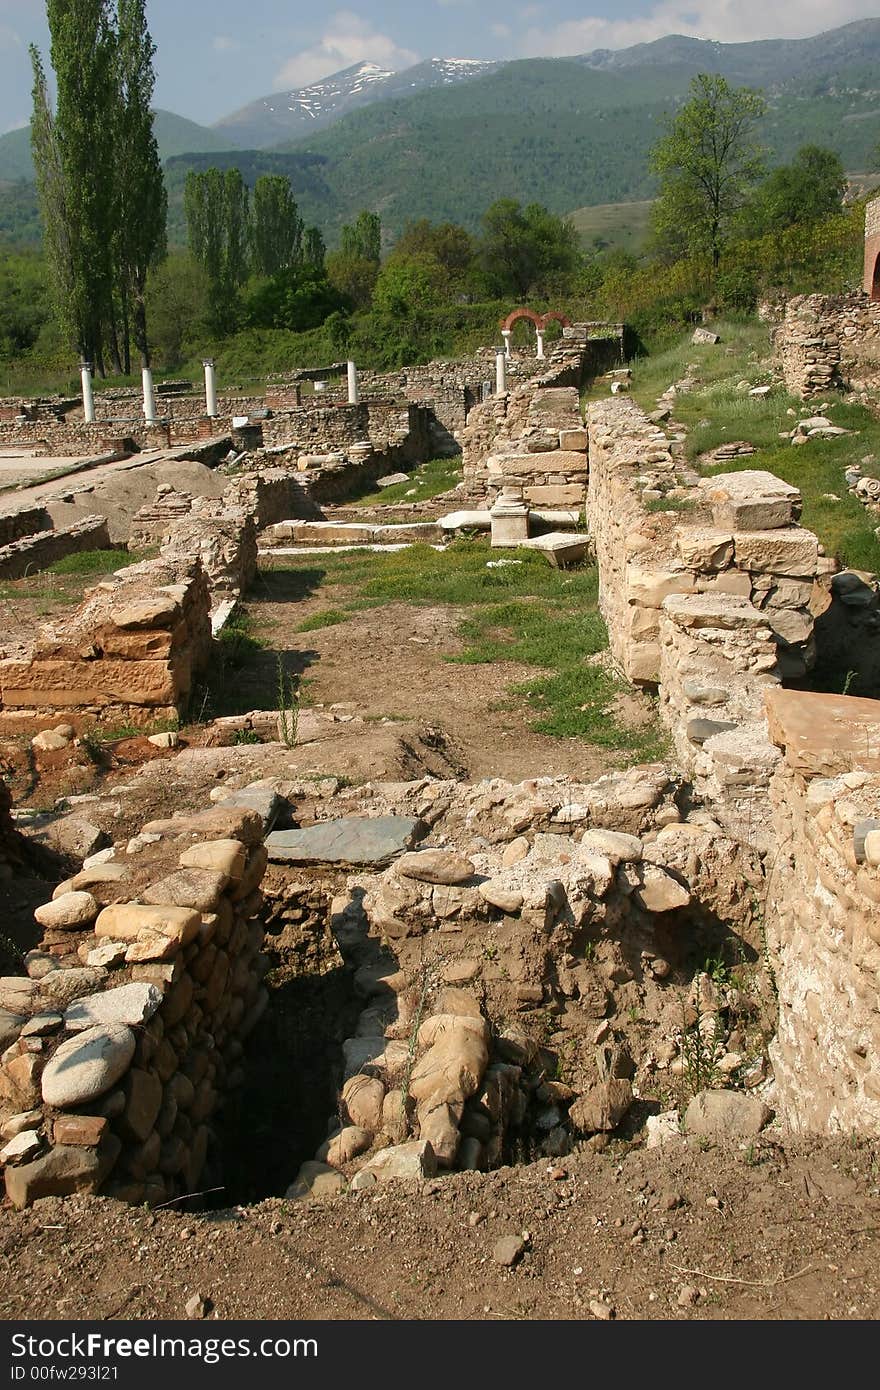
217 210
142 203
277 226
98 173
73 151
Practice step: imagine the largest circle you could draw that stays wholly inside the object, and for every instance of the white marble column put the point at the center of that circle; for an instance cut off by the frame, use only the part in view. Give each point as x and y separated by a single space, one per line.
149 396
540 337
500 373
505 333
210 388
88 394
354 394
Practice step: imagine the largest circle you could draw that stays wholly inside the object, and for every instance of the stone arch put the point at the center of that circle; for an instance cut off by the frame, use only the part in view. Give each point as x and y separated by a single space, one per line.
559 318
518 314
874 287
540 321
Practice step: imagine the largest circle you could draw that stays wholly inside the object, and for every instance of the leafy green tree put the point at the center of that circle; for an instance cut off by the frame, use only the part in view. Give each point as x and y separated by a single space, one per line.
354 268
178 306
296 299
807 190
526 250
142 203
363 239
24 300
277 226
451 246
74 155
406 285
314 250
218 224
706 163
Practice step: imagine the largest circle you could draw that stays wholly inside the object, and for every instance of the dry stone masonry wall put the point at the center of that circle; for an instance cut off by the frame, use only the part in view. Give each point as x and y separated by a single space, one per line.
128 1030
128 655
829 341
823 910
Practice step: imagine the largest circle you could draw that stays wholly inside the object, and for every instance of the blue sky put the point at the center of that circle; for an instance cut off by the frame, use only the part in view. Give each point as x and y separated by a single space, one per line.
216 55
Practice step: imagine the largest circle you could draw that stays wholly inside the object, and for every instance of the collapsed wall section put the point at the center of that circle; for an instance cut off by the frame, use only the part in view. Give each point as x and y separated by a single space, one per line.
128 655
823 910
829 341
127 1032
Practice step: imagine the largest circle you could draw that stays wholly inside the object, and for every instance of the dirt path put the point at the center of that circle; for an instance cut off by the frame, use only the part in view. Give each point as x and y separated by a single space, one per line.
390 662
764 1232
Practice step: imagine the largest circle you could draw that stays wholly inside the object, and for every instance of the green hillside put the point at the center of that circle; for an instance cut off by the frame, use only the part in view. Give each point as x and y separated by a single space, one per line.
555 132
175 134
568 133
623 225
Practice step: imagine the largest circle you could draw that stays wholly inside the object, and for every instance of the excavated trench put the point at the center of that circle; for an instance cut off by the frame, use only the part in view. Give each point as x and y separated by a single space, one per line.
604 1032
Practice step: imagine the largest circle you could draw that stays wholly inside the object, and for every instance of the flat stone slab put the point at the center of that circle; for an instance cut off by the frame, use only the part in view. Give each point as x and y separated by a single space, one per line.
559 547
460 521
353 840
266 802
824 735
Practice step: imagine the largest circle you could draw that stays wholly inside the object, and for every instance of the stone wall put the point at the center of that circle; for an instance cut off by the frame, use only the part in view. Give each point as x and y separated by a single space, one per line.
735 535
710 591
15 525
823 911
829 341
37 552
127 1032
872 250
223 538
128 655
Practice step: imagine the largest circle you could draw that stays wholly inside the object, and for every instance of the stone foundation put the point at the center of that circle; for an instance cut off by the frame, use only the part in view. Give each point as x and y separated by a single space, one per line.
128 1030
128 654
823 911
39 551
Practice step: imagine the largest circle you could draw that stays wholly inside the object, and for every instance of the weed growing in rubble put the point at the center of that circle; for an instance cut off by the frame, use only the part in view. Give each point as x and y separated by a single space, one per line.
698 1050
288 707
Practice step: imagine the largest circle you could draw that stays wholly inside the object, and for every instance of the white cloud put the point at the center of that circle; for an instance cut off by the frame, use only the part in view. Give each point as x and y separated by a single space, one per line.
347 40
222 43
9 38
730 21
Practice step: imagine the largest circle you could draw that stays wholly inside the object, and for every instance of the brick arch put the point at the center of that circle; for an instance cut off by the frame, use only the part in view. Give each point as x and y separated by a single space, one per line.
540 321
874 287
560 318
521 314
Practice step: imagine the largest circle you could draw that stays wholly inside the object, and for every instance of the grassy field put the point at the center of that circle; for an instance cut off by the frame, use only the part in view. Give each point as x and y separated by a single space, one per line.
721 411
524 612
617 225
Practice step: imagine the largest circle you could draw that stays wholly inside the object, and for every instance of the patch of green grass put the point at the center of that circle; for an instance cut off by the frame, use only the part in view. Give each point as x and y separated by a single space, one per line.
329 617
670 504
528 613
719 412
237 641
429 480
94 562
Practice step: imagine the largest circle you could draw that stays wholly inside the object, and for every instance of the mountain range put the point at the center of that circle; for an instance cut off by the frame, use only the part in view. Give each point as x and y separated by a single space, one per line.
445 138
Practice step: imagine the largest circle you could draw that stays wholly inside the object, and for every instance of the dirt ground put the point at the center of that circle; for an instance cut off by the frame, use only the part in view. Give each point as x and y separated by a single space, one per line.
765 1232
392 662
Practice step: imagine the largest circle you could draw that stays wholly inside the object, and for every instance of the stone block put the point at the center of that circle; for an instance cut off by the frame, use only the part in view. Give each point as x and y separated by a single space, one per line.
788 551
546 495
649 587
752 500
824 735
704 550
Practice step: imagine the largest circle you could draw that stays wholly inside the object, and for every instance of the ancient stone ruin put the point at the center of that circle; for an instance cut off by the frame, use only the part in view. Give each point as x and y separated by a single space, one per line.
511 968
